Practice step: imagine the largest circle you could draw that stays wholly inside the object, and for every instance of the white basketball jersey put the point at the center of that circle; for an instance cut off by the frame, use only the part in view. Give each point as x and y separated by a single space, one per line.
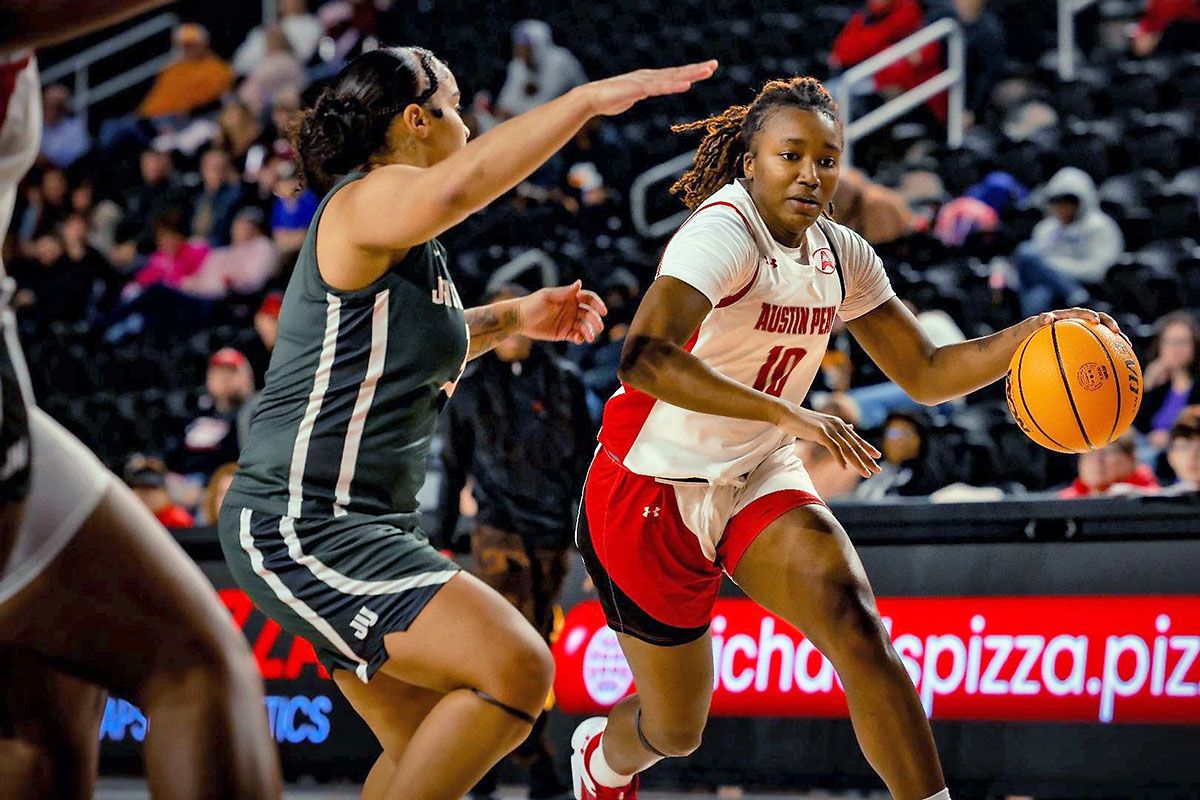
773 308
20 128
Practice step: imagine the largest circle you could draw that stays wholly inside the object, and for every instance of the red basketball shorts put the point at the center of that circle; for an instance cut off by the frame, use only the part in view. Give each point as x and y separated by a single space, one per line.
656 549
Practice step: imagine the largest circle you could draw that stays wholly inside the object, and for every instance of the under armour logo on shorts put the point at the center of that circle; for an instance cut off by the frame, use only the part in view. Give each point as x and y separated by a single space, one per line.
651 512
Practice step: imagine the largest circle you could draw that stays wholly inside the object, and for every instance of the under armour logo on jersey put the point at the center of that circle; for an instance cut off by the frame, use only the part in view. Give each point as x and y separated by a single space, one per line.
773 263
445 294
363 621
651 512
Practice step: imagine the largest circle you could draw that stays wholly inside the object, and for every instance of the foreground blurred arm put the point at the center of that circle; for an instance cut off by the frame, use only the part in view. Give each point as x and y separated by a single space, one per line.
39 23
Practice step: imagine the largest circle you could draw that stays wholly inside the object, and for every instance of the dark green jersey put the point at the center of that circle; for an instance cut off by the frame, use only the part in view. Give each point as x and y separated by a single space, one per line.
351 397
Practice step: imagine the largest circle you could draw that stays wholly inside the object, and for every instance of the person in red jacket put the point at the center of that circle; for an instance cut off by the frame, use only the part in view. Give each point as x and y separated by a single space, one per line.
879 25
1176 21
1111 470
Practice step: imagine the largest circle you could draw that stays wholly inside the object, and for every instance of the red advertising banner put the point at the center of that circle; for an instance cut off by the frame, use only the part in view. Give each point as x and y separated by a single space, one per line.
1133 659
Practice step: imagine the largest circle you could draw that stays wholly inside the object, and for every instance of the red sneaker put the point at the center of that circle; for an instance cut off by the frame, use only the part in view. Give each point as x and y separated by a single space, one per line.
584 742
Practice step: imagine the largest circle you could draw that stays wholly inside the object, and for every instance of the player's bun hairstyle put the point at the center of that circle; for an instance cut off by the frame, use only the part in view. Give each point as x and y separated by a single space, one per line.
728 135
347 125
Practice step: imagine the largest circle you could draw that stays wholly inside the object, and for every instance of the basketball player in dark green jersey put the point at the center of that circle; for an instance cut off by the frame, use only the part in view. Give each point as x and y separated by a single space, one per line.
320 523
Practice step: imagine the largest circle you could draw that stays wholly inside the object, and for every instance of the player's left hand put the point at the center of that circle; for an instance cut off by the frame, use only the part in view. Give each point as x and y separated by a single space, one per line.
563 313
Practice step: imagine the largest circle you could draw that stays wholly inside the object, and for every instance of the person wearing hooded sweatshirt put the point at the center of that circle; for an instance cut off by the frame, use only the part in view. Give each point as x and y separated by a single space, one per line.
911 466
540 70
1075 244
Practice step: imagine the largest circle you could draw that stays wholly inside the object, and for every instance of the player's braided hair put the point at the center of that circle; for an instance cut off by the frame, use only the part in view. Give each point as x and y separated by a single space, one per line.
728 134
348 124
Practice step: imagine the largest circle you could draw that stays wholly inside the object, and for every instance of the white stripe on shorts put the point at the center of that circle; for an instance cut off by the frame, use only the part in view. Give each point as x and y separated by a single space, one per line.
301 608
344 583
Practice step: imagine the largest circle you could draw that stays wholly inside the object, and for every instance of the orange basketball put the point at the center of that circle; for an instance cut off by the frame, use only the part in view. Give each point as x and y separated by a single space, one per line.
1074 386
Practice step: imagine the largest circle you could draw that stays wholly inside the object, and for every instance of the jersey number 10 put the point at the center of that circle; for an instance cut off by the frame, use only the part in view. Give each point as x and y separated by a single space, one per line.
778 368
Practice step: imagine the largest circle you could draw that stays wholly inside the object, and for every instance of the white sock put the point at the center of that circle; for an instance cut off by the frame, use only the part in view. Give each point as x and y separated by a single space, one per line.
944 794
606 775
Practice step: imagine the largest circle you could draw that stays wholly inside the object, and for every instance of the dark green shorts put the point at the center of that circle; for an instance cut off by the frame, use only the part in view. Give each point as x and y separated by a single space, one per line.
342 583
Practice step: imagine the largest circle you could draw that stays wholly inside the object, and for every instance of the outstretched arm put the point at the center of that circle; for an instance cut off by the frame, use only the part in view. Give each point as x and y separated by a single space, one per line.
565 313
398 206
894 340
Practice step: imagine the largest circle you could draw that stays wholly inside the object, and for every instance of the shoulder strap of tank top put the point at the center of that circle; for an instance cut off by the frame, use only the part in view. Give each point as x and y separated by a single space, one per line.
837 260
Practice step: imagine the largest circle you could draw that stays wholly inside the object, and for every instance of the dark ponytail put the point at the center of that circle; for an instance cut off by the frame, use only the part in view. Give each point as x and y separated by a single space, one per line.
348 124
727 135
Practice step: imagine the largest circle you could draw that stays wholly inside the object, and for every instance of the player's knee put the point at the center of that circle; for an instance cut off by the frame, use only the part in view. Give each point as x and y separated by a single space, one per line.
525 672
855 629
673 739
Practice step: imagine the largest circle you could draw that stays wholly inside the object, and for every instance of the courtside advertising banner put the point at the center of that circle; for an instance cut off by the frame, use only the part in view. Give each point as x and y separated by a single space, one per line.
1101 660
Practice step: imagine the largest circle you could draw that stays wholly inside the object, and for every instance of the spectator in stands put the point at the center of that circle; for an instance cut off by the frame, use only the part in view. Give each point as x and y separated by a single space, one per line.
879 25
244 137
220 192
293 210
159 190
979 210
910 466
302 30
278 71
539 71
1111 470
214 492
1183 452
175 258
64 136
48 204
102 216
148 479
65 280
266 325
90 283
829 477
878 214
197 79
1075 244
213 437
1167 25
244 266
1170 379
519 426
986 60
285 110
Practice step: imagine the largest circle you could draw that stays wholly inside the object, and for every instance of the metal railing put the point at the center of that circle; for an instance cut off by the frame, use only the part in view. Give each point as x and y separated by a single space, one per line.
530 259
1067 11
86 95
640 187
953 78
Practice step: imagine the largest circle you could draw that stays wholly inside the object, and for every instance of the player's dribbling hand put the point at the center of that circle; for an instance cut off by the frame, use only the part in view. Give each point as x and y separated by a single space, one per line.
834 434
1085 314
618 93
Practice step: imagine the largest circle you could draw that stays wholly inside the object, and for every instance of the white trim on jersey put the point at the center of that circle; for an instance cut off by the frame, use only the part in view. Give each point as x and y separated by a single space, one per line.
362 404
344 583
333 310
302 609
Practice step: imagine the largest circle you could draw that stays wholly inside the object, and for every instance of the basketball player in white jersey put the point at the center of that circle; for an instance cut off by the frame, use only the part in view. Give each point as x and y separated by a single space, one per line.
94 594
697 472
